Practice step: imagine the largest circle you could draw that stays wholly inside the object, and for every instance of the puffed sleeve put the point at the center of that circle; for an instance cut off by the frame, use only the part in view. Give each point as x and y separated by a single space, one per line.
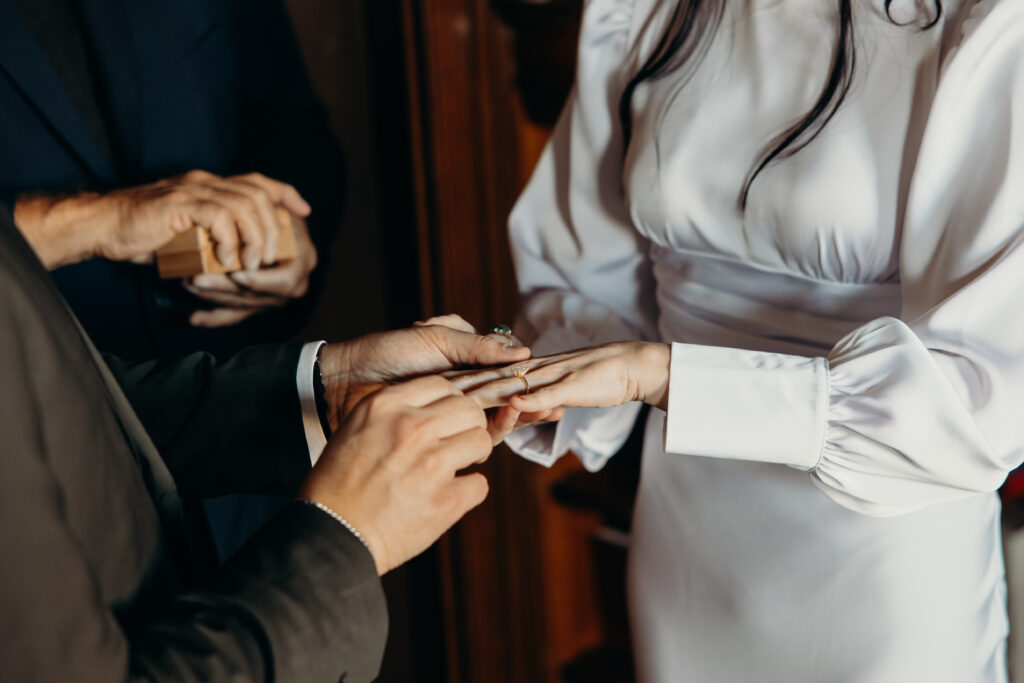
927 408
582 267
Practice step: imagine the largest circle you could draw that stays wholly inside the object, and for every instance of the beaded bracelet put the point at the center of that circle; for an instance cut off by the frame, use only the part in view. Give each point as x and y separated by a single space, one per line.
344 522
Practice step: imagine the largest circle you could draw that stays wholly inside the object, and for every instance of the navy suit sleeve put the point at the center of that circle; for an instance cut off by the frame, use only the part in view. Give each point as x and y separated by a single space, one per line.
232 426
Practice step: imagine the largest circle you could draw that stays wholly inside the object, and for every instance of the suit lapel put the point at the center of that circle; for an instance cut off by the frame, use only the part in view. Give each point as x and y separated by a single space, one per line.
192 558
155 473
23 60
157 477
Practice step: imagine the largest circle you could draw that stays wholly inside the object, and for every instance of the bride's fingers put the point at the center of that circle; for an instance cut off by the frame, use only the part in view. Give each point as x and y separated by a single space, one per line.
537 401
495 393
469 380
492 387
472 378
494 384
457 374
566 392
540 372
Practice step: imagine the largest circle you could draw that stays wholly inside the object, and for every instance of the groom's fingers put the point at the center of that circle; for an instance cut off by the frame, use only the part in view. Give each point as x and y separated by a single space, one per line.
457 322
419 392
463 348
470 380
497 392
501 422
452 320
506 339
460 343
542 417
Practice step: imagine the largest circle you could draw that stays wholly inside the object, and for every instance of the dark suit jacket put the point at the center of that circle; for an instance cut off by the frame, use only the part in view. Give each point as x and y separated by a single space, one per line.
212 84
96 583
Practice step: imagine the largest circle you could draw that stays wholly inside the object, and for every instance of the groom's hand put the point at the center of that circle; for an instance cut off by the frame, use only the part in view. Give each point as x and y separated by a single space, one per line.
353 369
393 468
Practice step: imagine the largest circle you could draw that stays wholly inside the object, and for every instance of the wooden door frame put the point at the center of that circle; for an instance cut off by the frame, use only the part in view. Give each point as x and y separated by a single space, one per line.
467 173
515 581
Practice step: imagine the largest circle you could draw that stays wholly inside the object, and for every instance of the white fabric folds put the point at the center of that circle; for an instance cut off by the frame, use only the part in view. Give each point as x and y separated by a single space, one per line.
847 376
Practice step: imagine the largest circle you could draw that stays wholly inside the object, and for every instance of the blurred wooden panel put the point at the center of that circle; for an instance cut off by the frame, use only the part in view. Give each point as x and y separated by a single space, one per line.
466 130
355 55
444 107
333 39
520 585
544 50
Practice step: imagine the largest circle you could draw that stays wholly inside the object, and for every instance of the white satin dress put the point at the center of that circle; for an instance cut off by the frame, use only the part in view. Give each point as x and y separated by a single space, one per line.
847 374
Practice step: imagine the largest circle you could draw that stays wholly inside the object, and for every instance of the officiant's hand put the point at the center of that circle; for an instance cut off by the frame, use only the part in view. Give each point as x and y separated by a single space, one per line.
594 377
129 224
245 293
353 369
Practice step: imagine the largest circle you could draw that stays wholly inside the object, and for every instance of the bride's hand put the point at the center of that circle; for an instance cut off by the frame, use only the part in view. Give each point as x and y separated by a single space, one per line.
595 377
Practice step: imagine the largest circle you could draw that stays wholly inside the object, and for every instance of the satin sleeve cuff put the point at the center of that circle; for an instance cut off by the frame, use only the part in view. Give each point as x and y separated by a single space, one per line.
747 405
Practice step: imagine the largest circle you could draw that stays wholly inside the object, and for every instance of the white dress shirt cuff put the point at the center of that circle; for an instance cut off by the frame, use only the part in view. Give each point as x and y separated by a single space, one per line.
747 405
316 440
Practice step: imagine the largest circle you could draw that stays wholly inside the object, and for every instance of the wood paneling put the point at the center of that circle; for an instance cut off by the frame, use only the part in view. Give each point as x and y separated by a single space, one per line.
519 587
444 107
463 110
467 135
333 39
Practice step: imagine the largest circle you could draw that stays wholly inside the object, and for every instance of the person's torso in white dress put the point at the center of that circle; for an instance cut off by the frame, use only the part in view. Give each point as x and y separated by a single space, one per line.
852 310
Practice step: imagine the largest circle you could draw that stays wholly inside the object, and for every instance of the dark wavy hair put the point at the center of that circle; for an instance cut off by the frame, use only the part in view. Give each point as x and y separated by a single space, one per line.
685 41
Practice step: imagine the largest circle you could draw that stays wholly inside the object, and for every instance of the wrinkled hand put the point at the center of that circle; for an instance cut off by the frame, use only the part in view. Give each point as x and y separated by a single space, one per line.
391 468
238 211
595 377
353 369
244 293
131 223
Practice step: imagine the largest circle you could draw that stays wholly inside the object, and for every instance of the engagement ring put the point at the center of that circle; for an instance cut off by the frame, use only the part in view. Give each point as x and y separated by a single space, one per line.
520 372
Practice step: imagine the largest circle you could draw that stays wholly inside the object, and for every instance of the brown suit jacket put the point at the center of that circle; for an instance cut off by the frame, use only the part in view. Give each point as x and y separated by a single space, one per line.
96 581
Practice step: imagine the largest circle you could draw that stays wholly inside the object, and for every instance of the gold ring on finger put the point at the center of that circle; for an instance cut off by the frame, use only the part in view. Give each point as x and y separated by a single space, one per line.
520 372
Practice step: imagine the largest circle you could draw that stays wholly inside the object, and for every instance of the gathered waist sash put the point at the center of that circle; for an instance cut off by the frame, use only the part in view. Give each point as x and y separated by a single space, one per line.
708 300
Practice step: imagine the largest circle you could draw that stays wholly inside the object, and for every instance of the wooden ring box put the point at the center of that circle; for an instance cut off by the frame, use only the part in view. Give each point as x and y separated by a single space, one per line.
193 251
